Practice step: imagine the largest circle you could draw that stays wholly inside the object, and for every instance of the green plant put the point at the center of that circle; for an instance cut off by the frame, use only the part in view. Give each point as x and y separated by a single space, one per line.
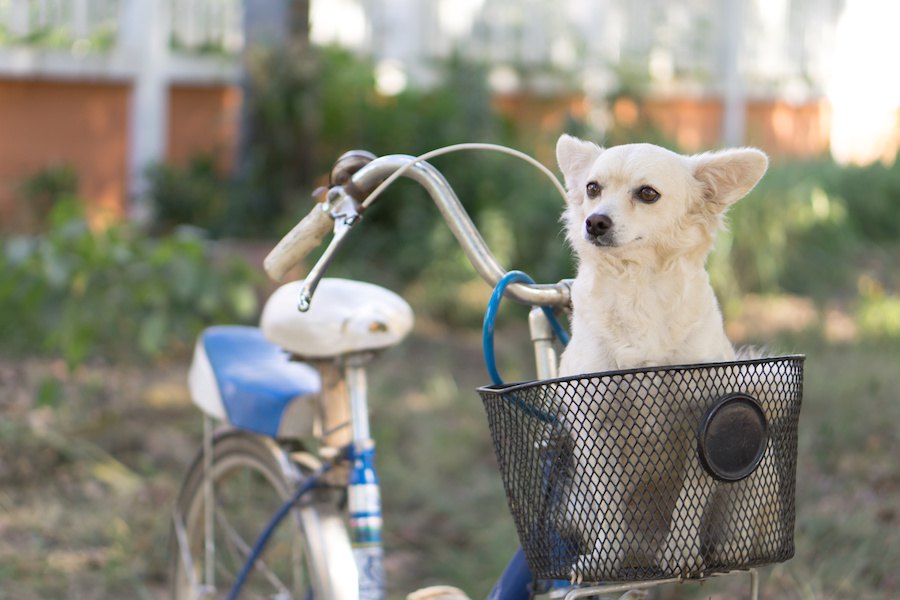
44 189
877 312
809 228
195 194
871 196
114 294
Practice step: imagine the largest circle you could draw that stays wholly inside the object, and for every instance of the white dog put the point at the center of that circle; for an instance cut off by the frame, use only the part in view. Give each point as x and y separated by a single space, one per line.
641 220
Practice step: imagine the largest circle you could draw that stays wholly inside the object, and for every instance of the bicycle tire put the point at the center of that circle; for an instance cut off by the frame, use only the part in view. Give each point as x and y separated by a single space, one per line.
307 554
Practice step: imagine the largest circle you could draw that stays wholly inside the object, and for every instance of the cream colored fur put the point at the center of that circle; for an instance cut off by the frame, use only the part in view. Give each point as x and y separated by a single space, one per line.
647 299
642 296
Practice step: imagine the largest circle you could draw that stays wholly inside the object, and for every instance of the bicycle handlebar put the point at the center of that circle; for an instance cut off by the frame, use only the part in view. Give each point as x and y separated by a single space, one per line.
300 241
382 171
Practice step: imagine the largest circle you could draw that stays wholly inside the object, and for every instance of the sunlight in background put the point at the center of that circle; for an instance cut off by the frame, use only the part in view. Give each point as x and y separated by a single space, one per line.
773 16
390 78
341 22
458 16
864 90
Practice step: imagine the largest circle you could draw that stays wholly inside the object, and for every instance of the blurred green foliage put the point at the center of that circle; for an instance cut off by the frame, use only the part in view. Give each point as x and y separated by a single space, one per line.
813 228
810 228
43 190
102 39
113 293
196 193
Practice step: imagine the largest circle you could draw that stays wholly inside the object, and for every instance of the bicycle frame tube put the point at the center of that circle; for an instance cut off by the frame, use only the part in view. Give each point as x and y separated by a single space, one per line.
364 497
514 583
461 225
542 337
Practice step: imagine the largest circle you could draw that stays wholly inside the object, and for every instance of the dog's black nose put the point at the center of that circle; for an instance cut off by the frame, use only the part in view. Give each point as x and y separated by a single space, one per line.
597 225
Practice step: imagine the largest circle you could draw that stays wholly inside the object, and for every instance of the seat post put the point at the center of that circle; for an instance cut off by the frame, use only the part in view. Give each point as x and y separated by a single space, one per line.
334 406
357 389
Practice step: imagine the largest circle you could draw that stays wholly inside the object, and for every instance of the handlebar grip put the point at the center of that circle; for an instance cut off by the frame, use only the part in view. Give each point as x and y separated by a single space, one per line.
300 241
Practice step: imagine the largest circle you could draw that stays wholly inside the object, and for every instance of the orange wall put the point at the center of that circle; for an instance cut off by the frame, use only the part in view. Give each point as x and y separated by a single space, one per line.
780 128
694 124
784 129
85 124
203 119
45 124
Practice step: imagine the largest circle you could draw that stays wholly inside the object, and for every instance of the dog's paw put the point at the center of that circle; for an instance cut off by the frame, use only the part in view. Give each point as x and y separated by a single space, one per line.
679 562
599 564
585 564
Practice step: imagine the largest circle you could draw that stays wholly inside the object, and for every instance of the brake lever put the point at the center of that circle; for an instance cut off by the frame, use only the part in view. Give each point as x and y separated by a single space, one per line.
344 209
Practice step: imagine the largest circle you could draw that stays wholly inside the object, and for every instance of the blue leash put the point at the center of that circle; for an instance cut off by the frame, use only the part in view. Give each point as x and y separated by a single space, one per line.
521 573
490 317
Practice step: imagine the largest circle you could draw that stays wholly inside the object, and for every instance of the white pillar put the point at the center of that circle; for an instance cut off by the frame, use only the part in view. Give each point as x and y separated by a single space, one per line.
733 124
18 19
144 36
80 19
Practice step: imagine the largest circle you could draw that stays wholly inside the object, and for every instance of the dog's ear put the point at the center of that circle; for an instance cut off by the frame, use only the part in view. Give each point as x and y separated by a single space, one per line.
574 157
729 175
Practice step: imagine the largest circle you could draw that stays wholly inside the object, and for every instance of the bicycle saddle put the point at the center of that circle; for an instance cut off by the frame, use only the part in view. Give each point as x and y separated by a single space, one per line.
240 376
345 317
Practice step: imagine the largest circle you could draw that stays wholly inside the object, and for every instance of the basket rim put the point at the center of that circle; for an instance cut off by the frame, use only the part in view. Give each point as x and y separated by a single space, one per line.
521 385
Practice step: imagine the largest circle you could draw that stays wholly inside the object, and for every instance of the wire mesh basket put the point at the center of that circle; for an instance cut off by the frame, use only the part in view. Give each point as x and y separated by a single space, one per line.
680 471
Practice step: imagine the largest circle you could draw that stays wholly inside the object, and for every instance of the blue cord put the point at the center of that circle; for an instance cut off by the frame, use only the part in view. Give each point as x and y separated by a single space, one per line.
490 317
263 539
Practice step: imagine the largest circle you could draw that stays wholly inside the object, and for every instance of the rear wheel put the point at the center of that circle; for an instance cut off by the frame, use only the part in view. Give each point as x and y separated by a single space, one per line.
251 478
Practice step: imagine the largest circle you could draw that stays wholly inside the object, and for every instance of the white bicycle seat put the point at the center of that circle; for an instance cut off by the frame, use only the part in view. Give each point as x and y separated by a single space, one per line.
345 317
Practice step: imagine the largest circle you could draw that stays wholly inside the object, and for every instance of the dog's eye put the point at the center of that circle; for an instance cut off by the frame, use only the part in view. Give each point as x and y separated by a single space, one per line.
647 194
593 189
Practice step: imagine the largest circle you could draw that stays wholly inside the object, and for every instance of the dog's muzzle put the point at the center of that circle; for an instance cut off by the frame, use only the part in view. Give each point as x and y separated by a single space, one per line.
598 230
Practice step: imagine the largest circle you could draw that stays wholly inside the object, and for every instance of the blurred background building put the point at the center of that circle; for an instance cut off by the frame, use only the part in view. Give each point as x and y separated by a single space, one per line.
114 86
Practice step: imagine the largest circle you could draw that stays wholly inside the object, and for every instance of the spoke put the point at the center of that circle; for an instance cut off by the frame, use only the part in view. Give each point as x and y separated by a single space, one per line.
184 549
242 550
198 591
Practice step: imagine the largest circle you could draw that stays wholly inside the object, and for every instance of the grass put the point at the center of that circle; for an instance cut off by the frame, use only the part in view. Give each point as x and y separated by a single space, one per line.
85 481
89 467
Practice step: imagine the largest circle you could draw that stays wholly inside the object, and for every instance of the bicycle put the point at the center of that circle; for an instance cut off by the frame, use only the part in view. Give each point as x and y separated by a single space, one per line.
295 443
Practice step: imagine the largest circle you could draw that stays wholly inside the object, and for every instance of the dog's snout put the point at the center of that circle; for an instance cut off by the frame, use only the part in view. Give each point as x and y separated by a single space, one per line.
597 225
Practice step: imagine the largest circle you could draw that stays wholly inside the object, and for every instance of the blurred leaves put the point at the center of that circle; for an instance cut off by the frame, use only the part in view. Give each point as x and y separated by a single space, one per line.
113 293
43 190
196 193
814 229
878 313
